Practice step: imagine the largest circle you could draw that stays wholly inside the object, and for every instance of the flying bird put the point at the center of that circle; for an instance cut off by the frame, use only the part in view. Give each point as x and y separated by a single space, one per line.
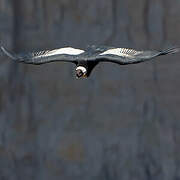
86 60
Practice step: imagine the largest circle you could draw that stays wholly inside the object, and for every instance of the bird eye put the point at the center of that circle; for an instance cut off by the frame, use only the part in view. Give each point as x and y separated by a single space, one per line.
79 73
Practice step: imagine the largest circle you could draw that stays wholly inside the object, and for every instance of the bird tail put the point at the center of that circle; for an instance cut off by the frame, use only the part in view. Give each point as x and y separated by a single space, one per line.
8 53
170 51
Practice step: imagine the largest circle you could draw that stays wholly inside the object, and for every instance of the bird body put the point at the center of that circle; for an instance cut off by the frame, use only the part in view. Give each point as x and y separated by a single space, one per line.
86 60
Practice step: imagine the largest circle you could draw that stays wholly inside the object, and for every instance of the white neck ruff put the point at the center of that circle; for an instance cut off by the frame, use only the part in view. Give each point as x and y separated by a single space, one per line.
82 68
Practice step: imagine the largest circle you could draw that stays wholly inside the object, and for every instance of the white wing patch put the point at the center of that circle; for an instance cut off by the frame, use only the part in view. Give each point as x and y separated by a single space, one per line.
120 52
67 50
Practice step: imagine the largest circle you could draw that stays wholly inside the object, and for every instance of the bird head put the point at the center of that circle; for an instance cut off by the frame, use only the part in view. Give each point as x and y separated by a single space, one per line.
81 71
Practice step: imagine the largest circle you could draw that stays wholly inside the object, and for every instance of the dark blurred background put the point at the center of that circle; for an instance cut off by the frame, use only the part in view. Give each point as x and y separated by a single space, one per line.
121 123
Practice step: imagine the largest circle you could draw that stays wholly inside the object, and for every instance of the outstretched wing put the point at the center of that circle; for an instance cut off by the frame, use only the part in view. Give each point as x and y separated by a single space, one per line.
67 54
125 56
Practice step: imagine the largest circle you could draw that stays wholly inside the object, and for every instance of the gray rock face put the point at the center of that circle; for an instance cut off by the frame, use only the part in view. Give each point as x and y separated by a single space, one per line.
121 123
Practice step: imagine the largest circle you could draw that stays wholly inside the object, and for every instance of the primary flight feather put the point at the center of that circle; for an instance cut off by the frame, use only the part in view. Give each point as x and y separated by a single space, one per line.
86 60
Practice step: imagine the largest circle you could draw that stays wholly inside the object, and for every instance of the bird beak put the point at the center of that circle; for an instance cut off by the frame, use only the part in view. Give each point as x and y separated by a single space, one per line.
84 76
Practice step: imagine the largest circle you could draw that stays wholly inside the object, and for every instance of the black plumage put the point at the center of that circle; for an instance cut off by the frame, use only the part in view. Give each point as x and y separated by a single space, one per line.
87 59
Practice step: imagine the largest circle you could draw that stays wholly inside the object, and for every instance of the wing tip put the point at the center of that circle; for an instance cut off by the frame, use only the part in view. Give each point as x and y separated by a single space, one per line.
171 50
8 53
3 49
